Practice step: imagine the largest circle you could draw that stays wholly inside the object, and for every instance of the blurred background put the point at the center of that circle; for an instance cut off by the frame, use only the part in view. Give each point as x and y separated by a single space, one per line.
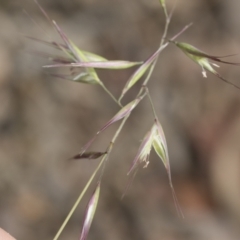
46 120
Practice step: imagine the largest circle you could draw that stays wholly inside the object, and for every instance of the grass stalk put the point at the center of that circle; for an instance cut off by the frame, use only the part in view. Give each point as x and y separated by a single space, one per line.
110 94
79 199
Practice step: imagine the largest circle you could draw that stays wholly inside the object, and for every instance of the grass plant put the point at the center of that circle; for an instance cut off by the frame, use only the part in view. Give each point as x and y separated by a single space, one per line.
83 67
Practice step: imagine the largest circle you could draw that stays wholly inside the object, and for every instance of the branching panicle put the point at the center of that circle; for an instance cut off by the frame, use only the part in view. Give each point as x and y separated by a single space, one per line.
83 65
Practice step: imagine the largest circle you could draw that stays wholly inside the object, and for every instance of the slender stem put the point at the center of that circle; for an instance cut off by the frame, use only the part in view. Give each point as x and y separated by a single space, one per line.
152 105
110 94
165 12
168 20
181 32
161 48
79 199
103 160
110 147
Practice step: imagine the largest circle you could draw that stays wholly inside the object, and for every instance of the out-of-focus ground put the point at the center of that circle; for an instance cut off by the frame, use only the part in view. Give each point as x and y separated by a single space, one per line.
45 120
